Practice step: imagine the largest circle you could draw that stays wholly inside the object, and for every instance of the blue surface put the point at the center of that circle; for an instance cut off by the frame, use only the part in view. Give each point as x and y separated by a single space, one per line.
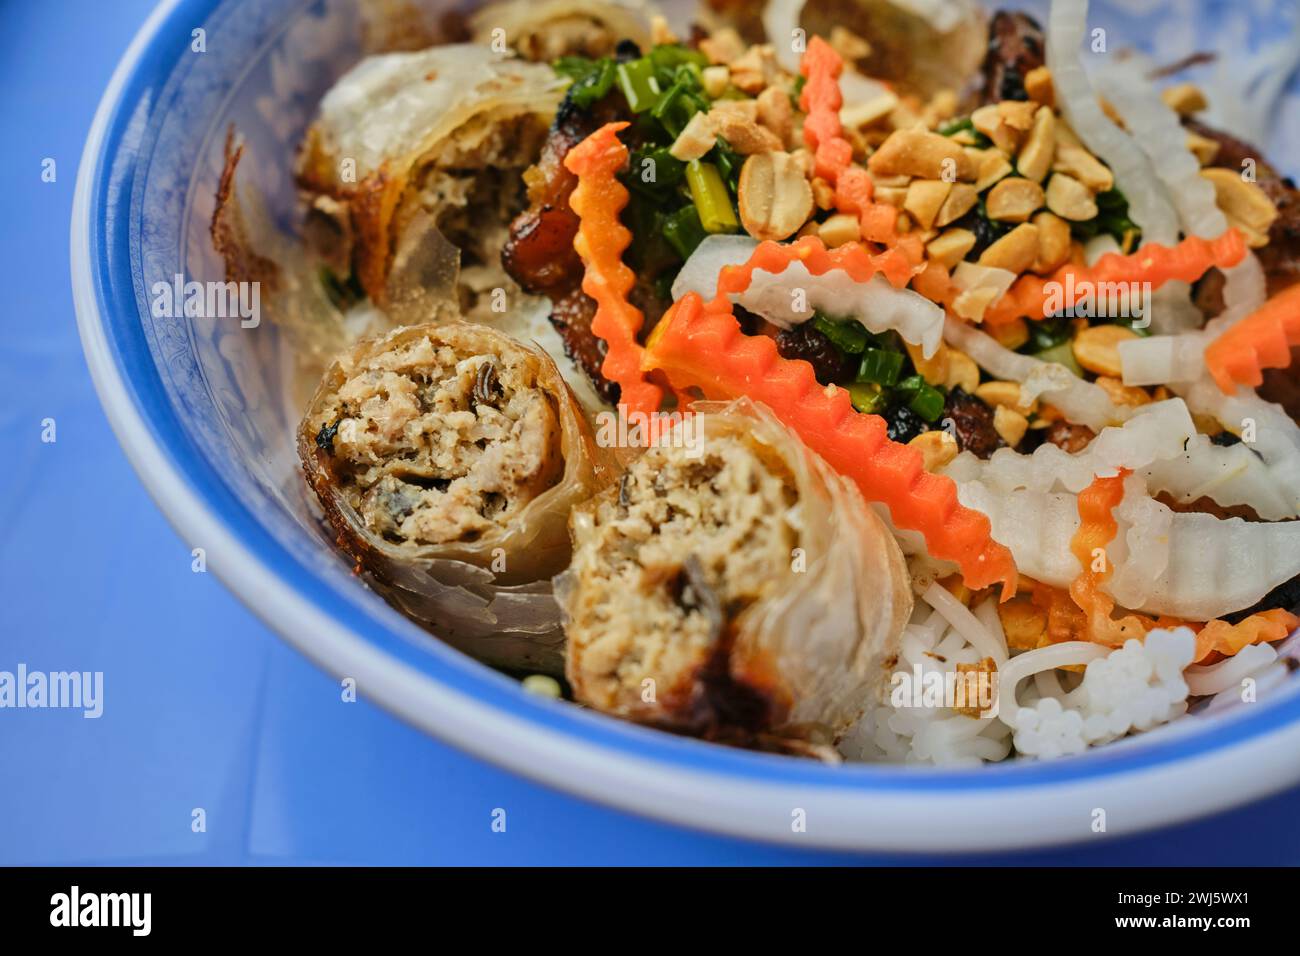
204 707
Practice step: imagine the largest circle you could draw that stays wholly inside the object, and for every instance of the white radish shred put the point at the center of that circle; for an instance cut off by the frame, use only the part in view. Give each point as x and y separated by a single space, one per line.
792 296
1149 204
1164 141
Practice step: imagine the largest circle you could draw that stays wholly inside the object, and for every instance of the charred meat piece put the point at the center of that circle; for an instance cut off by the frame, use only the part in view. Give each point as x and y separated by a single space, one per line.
1069 437
972 423
1016 46
804 342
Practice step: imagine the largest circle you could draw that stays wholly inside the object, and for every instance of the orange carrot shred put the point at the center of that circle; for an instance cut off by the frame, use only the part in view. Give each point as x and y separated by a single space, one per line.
1223 639
1097 528
1261 340
601 240
1155 264
821 100
702 347
852 258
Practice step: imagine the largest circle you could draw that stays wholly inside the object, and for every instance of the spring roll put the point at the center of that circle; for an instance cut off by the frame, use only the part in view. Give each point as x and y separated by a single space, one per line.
434 141
732 586
446 459
544 30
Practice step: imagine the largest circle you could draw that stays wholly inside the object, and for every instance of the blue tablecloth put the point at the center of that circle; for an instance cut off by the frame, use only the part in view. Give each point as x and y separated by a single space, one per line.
204 708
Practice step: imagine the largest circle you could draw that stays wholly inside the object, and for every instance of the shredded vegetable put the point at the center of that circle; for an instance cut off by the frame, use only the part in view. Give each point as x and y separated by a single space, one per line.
1262 340
600 242
703 347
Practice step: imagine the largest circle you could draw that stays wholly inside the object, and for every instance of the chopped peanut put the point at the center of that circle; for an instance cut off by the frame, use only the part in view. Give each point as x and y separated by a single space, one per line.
823 193
990 121
924 199
1000 393
1010 425
716 79
918 152
723 46
1038 84
1053 242
1245 204
773 197
1018 114
937 448
1184 99
933 369
1024 623
963 373
737 122
1121 394
858 115
838 229
776 113
1074 160
1015 252
1014 199
960 201
1096 348
1203 148
993 165
1070 199
951 246
1035 157
974 687
755 70
697 137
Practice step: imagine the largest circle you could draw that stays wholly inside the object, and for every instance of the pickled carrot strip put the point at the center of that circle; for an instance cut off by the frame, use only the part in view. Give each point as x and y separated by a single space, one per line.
1261 340
1224 639
1155 264
702 347
601 240
852 258
1098 528
821 100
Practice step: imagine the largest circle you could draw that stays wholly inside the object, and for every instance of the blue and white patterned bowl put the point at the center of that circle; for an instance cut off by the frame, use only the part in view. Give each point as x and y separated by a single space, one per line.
200 407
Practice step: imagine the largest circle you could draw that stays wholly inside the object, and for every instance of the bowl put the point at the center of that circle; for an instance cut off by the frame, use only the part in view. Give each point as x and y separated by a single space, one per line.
201 408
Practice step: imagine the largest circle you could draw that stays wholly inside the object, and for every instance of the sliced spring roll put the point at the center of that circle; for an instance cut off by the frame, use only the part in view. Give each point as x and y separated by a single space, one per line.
447 458
435 142
544 30
732 586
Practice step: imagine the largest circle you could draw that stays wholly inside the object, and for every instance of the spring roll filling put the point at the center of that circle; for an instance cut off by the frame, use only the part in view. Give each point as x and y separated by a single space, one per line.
431 447
682 549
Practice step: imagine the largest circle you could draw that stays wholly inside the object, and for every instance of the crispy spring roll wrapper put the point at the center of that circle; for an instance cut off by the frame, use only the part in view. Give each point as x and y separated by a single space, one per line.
446 131
447 459
744 593
544 30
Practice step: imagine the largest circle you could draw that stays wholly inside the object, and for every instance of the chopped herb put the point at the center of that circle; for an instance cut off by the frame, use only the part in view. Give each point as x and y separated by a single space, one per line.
1047 334
711 198
880 366
592 79
636 80
866 397
684 231
848 336
1062 354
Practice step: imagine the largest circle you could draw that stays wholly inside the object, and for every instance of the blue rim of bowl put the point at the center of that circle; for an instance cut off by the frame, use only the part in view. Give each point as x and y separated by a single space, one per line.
442 691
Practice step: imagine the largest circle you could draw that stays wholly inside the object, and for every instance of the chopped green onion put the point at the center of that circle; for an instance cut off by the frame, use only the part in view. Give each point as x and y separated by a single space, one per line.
910 385
866 397
729 163
712 201
675 108
684 231
669 56
592 79
880 367
654 170
927 402
847 336
636 78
